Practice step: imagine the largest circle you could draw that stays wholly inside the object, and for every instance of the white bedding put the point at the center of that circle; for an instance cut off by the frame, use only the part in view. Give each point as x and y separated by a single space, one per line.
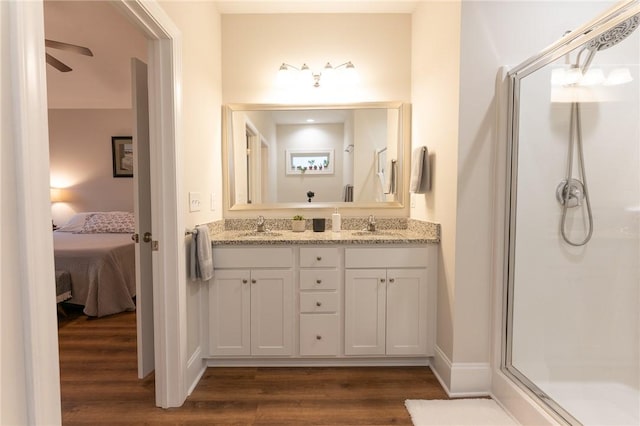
102 268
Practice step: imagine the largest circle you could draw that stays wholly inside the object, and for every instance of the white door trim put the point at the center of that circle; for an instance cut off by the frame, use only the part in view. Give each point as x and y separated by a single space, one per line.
30 156
169 269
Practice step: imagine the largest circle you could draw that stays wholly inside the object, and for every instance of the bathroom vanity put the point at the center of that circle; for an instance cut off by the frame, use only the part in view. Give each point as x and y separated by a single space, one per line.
348 298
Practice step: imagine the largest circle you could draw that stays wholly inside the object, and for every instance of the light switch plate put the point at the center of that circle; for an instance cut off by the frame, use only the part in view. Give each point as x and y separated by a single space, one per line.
213 202
194 201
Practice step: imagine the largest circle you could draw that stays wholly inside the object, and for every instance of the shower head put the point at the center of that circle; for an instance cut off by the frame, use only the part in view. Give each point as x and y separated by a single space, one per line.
615 35
610 38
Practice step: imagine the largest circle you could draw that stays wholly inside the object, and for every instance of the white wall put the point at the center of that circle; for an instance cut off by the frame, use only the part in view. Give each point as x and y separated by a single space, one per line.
81 160
199 24
435 98
254 46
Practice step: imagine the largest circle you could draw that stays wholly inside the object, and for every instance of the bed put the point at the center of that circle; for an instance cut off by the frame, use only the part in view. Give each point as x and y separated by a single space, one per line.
97 251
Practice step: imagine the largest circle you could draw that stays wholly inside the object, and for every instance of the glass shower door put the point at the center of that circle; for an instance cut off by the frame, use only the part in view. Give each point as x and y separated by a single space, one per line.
574 247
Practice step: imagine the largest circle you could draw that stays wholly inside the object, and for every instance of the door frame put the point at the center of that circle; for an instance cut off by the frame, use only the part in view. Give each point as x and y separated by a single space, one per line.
29 103
165 130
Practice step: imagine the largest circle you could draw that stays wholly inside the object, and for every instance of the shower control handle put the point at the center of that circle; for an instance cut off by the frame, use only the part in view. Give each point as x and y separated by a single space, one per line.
571 192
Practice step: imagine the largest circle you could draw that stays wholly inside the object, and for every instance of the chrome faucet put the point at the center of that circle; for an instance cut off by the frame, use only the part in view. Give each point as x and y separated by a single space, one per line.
260 224
371 226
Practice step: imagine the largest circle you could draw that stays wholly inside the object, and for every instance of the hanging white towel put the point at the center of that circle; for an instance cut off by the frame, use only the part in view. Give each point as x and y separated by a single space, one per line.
201 255
420 175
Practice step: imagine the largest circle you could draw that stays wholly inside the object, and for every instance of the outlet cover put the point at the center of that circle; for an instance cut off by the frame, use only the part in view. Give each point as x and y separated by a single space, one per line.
194 201
213 202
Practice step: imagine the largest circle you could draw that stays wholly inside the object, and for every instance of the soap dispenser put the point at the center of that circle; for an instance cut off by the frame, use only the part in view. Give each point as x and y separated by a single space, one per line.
336 221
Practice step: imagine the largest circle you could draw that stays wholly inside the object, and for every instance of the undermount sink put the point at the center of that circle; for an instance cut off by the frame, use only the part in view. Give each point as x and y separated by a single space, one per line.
376 234
260 234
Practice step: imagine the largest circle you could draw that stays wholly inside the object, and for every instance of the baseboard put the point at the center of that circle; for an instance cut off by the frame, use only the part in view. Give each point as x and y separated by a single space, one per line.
462 379
195 369
317 362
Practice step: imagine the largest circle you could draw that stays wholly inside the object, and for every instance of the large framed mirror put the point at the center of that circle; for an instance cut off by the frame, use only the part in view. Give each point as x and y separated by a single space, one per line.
315 156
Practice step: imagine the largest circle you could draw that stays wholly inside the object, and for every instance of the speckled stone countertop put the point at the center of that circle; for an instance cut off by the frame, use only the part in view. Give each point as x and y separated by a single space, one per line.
415 233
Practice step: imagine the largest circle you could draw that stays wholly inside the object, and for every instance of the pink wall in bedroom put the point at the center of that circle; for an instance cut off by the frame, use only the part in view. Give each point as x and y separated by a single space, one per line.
80 160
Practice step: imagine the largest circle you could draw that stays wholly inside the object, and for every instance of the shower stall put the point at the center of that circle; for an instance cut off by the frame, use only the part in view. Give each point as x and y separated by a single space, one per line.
572 263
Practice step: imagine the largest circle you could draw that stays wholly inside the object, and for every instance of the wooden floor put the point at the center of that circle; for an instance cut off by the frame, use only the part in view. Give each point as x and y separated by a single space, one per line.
99 386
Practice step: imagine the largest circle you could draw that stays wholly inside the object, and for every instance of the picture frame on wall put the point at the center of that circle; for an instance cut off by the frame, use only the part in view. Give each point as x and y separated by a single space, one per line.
122 155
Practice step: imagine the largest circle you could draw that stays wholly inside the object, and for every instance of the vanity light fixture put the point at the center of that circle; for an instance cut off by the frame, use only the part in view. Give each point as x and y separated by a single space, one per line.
284 73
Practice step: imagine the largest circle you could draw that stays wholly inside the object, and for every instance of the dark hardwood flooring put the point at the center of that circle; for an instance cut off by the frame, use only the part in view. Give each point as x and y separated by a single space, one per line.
99 385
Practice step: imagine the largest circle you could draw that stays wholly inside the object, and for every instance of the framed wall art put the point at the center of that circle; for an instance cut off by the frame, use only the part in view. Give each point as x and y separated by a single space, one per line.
122 154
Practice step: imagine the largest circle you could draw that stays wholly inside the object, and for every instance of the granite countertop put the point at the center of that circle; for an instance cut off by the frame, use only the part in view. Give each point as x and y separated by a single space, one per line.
287 237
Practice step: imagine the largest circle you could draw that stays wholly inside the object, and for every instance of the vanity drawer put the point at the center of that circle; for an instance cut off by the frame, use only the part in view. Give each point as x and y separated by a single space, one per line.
319 257
379 257
252 257
319 334
319 302
319 279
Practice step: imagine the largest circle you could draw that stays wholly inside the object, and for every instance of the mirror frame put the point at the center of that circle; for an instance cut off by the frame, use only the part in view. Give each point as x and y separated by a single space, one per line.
404 149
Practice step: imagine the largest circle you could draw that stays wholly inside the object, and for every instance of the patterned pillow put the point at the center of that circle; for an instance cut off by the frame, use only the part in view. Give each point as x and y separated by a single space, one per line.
100 223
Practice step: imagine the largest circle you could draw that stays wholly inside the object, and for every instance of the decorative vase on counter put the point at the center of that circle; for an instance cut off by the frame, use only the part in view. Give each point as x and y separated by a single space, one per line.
298 224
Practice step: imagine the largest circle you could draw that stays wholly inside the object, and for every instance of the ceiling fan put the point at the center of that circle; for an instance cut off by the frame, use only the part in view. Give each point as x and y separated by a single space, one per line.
59 65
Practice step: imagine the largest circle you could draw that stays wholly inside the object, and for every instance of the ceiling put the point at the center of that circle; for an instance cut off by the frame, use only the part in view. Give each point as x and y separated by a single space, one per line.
104 80
101 81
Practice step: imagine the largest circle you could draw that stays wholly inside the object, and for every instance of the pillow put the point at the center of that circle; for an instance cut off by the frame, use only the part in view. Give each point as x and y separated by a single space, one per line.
112 222
75 224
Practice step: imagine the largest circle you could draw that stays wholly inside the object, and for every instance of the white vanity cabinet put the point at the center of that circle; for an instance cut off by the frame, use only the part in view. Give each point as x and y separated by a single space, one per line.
389 302
320 287
251 302
334 304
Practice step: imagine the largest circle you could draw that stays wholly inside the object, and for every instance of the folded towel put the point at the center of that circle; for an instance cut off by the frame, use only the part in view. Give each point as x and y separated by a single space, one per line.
201 265
420 179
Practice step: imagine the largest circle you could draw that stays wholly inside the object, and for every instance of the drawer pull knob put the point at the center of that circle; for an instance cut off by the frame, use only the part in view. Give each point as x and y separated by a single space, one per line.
318 337
318 303
392 280
253 281
318 281
319 258
244 281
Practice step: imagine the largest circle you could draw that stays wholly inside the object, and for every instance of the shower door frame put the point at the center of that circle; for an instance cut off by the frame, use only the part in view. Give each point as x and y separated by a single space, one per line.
591 30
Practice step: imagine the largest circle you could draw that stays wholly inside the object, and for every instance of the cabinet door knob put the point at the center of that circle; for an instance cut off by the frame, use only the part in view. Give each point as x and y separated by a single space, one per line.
318 303
392 280
318 337
253 281
318 281
319 258
382 280
244 281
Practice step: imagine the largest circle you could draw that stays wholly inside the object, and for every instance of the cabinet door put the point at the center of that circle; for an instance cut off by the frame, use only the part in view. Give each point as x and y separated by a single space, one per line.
406 312
229 310
365 294
271 312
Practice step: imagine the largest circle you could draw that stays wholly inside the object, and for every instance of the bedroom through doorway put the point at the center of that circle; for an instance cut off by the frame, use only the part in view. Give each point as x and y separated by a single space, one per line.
88 107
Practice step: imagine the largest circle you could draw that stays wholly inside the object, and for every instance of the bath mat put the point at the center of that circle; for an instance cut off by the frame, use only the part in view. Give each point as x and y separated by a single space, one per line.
457 412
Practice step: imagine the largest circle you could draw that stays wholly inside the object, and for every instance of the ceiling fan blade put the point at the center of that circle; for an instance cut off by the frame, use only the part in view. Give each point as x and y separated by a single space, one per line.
57 64
70 47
